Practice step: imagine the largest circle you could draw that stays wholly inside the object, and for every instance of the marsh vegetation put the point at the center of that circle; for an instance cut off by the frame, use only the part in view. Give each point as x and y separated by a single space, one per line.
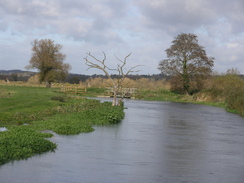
27 112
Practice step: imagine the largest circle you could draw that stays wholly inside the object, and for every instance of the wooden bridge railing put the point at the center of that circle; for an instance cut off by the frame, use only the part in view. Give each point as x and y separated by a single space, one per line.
125 92
73 89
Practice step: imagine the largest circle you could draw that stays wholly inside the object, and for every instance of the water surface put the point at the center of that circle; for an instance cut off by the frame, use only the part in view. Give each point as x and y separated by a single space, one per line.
156 142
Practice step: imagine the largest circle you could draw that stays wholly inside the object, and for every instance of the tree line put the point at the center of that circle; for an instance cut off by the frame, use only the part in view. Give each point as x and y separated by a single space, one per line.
187 63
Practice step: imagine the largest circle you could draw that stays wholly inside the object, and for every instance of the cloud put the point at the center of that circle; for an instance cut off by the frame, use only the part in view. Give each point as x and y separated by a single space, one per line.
231 54
145 28
176 16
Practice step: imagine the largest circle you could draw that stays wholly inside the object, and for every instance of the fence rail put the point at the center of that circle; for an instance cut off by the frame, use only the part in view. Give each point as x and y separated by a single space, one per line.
73 89
123 92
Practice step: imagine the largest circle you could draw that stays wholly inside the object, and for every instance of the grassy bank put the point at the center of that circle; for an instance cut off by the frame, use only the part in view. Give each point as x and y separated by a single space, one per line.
204 97
27 112
232 100
167 95
162 94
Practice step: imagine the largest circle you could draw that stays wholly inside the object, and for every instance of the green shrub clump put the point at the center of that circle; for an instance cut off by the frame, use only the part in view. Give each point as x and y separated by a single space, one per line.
104 113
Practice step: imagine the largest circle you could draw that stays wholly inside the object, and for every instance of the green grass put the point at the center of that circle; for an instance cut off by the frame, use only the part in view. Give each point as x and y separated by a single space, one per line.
159 95
43 109
92 92
25 104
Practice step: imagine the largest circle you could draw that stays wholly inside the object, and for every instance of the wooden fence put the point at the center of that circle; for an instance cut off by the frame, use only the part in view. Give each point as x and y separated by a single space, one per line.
73 89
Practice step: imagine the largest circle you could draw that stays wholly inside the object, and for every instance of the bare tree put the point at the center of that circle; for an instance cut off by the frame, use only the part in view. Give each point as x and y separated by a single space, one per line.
120 70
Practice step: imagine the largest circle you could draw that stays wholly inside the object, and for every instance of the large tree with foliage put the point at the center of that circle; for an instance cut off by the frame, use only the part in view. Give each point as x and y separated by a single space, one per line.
187 63
47 58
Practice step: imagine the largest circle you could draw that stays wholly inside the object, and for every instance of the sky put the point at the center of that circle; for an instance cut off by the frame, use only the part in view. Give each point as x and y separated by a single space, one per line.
144 28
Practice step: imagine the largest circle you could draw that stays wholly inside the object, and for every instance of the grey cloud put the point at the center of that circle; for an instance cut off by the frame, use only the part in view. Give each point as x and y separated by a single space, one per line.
232 12
143 27
77 19
3 26
176 16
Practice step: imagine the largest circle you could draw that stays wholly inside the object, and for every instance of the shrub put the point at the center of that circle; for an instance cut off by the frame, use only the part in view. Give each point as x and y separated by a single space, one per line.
234 95
230 88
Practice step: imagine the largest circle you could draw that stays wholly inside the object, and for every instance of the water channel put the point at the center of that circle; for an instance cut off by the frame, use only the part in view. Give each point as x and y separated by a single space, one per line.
158 142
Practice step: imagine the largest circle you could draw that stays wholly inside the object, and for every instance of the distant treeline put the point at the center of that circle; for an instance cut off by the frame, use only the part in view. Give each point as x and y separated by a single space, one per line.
75 78
18 75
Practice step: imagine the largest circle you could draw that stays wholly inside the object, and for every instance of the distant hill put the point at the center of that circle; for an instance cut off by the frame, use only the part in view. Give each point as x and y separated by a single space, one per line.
9 72
15 75
19 75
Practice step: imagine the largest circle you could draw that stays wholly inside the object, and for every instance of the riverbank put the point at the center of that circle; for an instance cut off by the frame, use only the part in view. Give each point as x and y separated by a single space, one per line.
205 97
164 95
167 95
26 112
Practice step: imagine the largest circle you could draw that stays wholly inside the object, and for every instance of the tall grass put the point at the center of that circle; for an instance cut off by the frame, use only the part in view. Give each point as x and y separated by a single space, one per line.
141 84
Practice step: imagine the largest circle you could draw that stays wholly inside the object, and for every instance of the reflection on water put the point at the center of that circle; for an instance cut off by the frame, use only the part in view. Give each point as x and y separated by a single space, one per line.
156 142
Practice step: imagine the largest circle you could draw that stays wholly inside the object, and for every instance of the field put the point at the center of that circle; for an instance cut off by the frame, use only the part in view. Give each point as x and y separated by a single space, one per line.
28 112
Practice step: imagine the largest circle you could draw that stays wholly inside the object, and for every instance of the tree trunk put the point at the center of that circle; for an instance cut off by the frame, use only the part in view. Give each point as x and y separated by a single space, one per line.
48 84
115 97
120 102
186 83
185 75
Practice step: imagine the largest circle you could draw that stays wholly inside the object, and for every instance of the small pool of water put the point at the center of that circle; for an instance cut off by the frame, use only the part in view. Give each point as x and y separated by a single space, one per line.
2 129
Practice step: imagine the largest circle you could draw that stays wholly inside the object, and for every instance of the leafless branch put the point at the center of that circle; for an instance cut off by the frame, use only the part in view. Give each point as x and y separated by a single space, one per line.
101 65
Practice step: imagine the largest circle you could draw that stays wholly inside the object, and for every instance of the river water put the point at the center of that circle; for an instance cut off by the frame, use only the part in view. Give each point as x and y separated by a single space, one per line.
158 142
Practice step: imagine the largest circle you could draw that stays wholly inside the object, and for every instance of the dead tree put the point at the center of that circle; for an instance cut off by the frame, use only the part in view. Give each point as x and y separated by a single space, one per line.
120 70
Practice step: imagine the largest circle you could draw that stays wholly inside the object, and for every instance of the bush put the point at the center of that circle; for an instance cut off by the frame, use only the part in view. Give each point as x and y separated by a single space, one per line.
230 88
234 95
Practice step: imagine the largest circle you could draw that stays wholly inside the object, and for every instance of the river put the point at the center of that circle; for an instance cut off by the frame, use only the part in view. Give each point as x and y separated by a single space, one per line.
158 142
